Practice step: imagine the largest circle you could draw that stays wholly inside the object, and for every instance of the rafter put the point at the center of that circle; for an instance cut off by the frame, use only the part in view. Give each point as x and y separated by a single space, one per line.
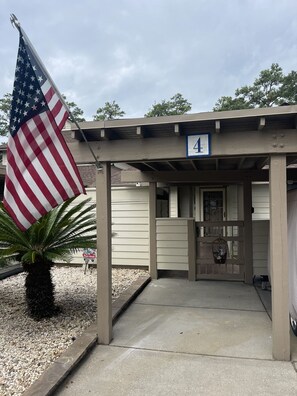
103 134
194 164
261 124
177 129
218 126
139 131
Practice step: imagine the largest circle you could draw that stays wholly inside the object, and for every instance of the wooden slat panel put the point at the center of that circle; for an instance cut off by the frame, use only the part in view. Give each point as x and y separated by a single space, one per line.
129 241
211 261
130 227
130 262
172 259
133 206
131 235
173 237
172 252
172 266
130 255
172 244
171 230
171 222
219 223
131 214
130 248
130 221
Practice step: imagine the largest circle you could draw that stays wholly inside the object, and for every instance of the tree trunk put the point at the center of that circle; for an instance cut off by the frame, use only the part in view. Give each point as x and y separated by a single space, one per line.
40 290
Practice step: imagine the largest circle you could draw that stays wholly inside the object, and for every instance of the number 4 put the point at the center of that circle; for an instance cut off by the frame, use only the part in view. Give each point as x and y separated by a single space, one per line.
197 146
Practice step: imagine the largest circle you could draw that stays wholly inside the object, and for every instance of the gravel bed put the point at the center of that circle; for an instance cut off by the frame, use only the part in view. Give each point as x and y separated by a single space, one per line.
28 347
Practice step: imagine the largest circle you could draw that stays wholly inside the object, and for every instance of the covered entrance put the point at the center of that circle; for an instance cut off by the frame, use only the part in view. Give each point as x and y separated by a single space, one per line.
208 150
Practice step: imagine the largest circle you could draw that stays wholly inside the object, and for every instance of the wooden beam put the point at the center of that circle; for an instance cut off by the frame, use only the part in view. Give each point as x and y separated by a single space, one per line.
103 134
195 166
279 258
233 176
261 163
173 148
248 232
176 129
191 249
151 166
152 230
261 123
240 165
218 126
172 165
104 285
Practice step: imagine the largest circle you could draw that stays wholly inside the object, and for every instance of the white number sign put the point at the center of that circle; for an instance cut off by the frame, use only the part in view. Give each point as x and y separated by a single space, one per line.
198 145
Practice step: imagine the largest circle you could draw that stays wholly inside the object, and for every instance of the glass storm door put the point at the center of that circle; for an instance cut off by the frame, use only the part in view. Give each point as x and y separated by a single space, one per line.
213 210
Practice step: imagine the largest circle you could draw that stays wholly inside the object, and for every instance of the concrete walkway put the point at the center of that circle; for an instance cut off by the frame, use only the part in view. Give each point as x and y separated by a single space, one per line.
189 338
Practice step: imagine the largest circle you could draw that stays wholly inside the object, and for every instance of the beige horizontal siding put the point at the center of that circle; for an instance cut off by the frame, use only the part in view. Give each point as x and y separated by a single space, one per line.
172 244
260 246
137 227
168 251
127 248
173 237
260 201
129 254
173 266
129 262
130 226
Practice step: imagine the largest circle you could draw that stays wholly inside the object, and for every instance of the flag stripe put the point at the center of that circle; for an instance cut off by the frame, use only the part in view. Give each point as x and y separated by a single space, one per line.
15 210
21 208
62 156
41 172
27 188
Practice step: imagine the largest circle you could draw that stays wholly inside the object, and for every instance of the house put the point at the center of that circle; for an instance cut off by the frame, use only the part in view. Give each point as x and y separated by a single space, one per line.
200 185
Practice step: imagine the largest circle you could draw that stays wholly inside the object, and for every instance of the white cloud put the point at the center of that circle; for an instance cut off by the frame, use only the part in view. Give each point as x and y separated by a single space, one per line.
137 52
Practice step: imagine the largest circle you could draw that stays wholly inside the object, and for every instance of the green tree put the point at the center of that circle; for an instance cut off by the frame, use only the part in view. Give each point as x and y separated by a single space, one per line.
5 105
110 111
175 106
271 88
75 110
53 237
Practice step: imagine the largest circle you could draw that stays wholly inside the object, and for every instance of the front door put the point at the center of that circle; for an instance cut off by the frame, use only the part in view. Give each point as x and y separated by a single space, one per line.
213 209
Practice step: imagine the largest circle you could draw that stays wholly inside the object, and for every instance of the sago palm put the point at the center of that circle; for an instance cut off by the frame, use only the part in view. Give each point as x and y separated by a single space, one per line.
54 237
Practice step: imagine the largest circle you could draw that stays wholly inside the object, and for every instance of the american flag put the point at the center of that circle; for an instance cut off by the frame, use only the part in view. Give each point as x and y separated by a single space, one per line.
41 172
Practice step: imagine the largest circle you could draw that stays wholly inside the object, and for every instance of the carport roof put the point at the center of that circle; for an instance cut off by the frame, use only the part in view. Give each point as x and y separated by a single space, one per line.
187 124
107 137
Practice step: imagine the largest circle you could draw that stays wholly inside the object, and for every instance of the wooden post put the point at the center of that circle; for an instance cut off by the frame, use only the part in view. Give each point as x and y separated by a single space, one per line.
248 232
279 258
104 280
191 249
152 230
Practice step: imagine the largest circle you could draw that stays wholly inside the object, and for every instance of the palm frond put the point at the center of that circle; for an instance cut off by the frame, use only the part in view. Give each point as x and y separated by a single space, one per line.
53 237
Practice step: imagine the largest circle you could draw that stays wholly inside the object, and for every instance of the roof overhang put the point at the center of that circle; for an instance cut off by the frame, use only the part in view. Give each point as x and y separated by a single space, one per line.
241 140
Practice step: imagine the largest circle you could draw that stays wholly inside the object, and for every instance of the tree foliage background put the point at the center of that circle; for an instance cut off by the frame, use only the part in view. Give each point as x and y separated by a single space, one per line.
175 106
110 111
271 88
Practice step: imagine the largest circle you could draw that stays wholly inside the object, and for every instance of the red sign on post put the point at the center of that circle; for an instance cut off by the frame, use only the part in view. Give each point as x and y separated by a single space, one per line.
89 254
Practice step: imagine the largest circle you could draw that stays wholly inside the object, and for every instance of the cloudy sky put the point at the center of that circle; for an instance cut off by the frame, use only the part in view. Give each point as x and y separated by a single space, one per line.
138 52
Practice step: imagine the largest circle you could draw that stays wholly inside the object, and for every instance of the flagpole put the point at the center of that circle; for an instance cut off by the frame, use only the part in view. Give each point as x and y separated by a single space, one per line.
15 22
